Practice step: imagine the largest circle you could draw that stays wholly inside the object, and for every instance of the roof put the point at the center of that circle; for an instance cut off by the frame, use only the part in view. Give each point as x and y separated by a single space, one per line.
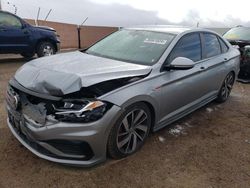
163 28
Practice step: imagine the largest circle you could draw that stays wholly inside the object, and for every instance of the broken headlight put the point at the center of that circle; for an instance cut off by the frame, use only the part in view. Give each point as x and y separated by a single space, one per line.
80 111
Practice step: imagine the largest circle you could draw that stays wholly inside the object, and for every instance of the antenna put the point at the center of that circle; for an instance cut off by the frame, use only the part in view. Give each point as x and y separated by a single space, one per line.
48 15
79 32
84 21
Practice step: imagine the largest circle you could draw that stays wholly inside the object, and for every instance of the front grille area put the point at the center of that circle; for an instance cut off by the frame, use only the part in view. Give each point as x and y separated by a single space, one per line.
33 111
65 146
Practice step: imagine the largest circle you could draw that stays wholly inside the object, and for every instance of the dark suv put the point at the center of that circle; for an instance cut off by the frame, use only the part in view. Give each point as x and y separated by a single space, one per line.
19 37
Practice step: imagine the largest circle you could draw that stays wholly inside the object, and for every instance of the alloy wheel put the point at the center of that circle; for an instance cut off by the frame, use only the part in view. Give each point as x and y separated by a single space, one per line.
132 131
48 50
227 86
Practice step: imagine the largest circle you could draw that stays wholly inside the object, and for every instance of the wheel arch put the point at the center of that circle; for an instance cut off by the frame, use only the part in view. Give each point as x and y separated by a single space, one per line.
151 104
45 40
153 115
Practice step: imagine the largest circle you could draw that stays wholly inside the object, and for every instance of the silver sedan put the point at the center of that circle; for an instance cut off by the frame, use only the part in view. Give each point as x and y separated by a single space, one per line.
76 108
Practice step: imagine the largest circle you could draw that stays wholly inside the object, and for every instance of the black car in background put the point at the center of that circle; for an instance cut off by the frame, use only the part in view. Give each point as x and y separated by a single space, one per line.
240 36
19 37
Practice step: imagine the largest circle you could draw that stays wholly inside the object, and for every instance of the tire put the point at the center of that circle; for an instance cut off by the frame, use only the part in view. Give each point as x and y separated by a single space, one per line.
27 55
45 49
226 88
127 138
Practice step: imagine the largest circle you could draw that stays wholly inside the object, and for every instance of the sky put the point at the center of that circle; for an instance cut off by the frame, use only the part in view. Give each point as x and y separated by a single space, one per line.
209 13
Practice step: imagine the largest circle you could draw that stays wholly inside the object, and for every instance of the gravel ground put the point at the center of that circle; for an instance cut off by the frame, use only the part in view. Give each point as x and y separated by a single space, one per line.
209 148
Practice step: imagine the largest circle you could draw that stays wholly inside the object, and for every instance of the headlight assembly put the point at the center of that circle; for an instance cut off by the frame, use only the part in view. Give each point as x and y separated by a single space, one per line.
80 111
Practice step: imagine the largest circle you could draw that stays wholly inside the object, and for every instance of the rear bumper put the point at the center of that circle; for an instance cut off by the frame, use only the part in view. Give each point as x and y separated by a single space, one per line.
90 139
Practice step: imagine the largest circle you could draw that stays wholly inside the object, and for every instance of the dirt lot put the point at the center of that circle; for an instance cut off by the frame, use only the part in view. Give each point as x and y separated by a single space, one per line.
209 148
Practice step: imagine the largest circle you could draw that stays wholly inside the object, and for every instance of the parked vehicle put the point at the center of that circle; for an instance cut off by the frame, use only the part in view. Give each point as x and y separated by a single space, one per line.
75 108
19 37
241 36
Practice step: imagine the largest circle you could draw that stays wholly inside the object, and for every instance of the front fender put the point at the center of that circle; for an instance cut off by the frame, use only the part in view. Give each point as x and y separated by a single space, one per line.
141 92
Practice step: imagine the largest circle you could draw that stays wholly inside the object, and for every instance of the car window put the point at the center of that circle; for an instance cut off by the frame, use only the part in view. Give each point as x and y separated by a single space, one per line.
224 47
135 46
238 33
211 45
7 20
188 46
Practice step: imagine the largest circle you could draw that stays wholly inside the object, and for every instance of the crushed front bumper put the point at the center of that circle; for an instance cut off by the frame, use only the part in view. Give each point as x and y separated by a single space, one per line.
67 143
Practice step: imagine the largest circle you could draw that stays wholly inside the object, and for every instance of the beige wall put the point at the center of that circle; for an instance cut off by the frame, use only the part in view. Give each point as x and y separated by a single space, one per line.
69 34
92 34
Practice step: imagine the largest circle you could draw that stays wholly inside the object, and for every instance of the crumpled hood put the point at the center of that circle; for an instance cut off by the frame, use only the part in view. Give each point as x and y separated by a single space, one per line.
68 72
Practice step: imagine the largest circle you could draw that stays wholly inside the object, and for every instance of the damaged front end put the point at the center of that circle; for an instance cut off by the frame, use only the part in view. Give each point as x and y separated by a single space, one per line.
69 129
78 107
48 111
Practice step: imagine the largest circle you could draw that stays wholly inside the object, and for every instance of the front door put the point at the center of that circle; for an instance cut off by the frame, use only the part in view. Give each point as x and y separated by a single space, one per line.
183 89
13 38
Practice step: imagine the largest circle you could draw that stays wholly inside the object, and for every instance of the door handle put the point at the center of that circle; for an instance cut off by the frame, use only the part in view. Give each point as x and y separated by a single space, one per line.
202 68
225 59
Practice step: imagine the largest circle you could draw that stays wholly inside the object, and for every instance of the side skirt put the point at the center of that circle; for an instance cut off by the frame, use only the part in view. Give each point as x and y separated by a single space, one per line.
176 116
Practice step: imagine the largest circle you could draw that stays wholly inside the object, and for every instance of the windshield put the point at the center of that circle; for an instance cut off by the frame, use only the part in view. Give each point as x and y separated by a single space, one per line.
141 47
238 33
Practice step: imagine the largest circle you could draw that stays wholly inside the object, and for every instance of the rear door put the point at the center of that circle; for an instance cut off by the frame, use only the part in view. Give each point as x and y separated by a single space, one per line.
13 38
214 64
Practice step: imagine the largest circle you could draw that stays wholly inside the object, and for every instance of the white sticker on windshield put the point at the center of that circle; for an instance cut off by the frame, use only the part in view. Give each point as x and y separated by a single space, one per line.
155 41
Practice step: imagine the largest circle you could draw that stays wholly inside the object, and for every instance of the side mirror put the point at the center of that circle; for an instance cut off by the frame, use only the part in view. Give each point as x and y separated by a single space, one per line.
180 63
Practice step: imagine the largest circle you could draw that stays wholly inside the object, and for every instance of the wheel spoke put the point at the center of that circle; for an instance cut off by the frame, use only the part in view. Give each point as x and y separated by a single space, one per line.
124 141
139 136
229 86
226 92
127 148
138 116
226 82
230 80
134 142
142 127
223 91
141 121
123 134
125 123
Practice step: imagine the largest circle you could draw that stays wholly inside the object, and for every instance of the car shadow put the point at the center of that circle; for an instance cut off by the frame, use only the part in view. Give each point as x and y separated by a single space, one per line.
14 60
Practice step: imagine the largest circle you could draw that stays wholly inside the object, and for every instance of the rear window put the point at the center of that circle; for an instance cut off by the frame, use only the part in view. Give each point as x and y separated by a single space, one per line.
224 47
211 45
